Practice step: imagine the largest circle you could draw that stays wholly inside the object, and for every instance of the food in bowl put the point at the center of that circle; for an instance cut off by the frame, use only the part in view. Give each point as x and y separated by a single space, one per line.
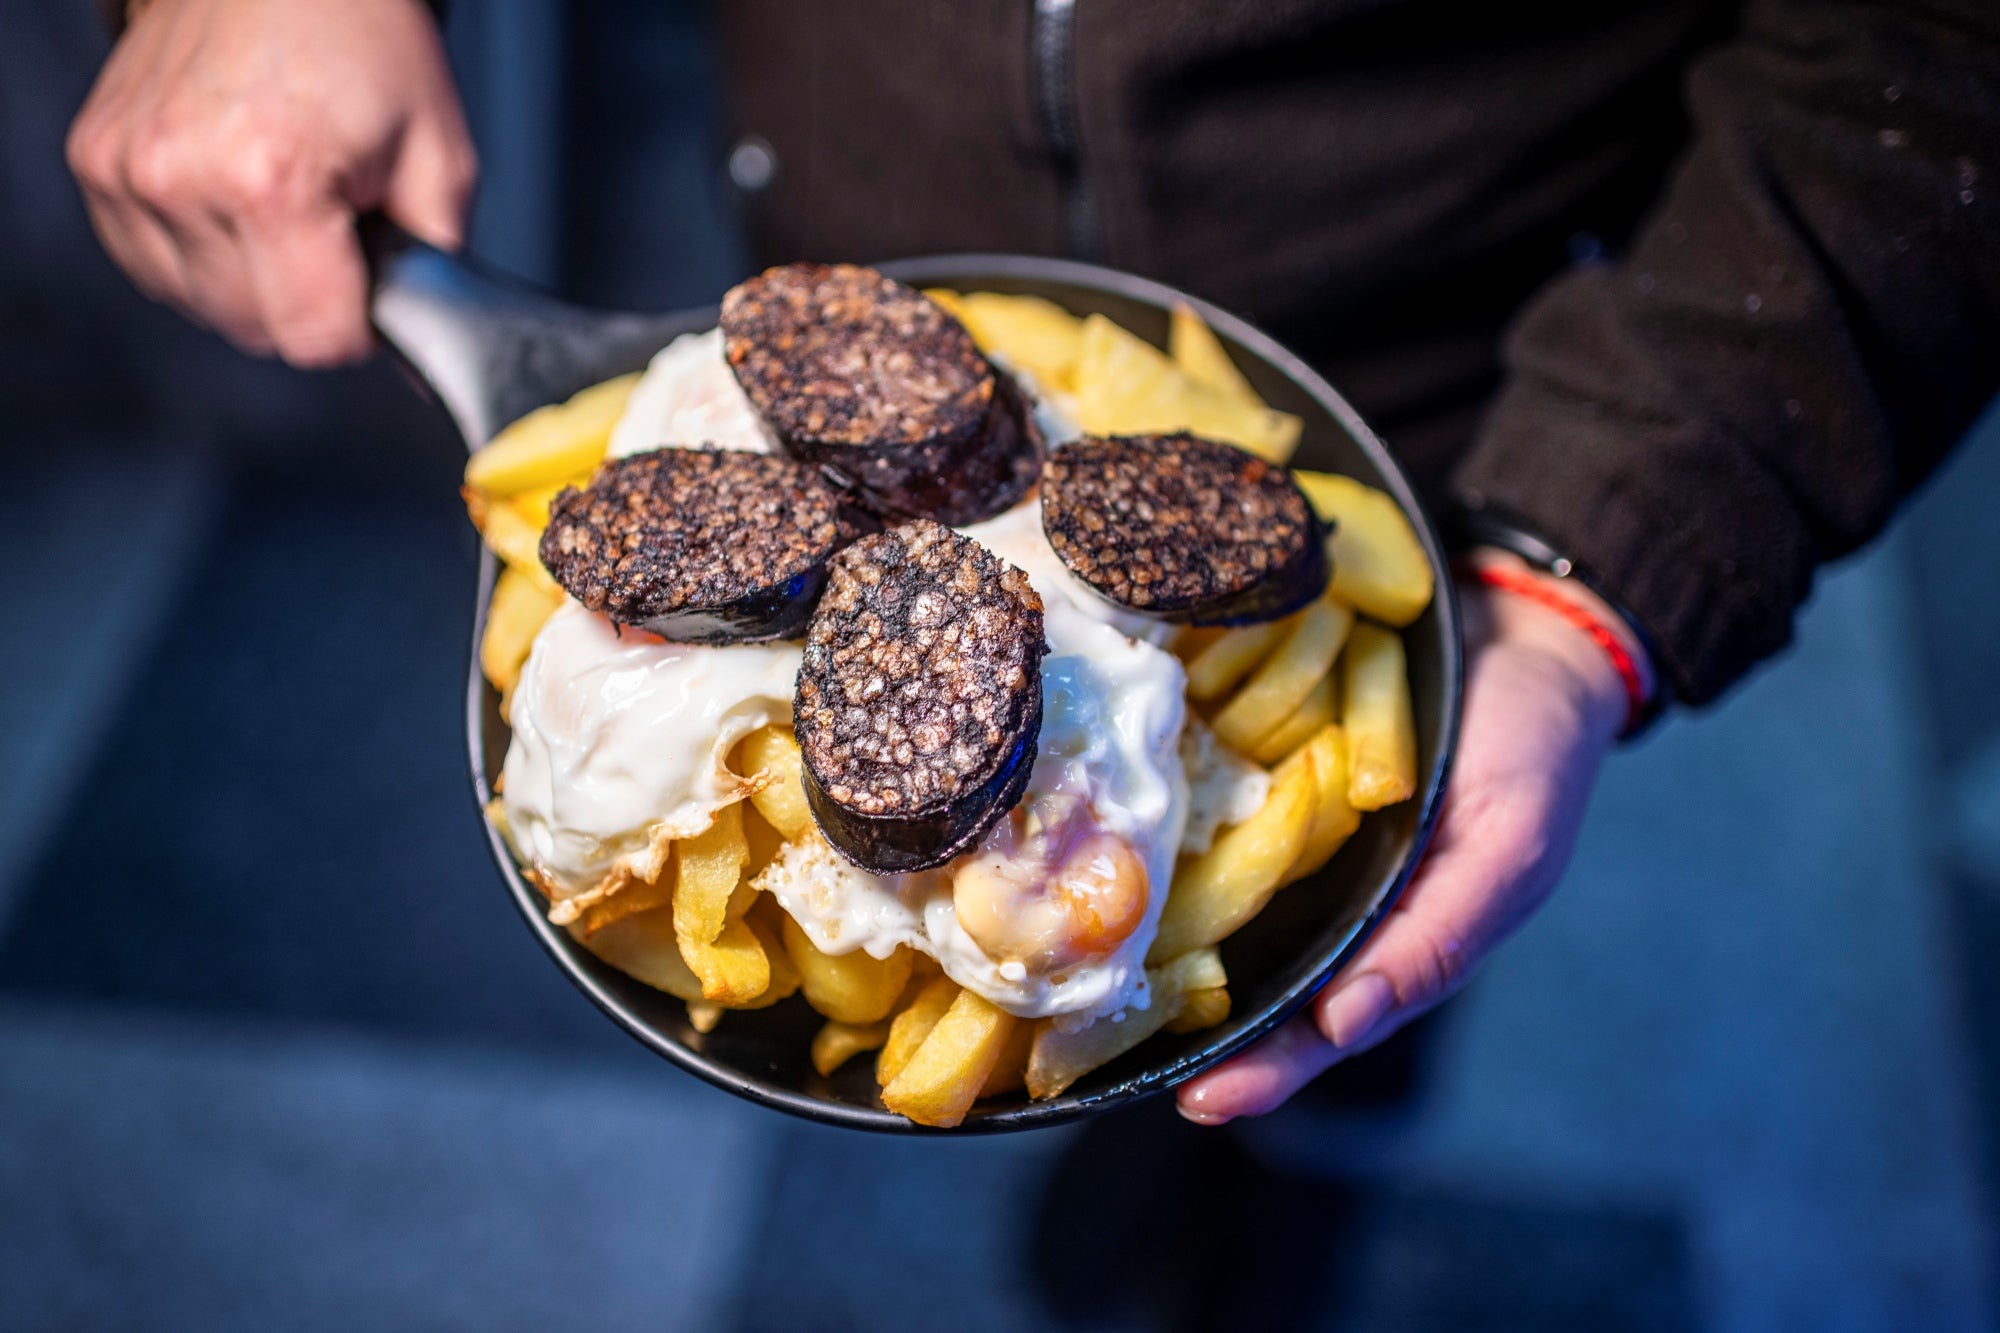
814 701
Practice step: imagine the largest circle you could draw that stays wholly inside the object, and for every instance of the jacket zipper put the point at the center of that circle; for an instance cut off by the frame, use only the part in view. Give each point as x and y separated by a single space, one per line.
1054 60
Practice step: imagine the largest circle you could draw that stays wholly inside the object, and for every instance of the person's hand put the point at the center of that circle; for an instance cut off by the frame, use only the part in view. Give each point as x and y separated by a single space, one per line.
1542 707
229 144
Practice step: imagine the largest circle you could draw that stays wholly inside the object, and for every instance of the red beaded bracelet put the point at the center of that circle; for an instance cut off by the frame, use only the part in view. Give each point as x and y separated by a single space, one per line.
1523 584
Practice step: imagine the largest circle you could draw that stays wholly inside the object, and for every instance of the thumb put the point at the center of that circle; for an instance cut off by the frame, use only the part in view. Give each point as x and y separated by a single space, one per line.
431 183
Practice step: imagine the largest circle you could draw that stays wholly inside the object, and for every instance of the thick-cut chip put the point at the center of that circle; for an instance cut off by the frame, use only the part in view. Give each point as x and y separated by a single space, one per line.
1334 817
1059 1059
1378 565
1031 333
533 505
1216 892
553 443
1214 671
643 947
772 750
1381 732
703 1015
942 1080
848 987
913 1022
1319 708
519 609
1286 678
765 923
711 865
1010 1071
764 845
1201 1010
1197 351
1127 386
734 969
837 1043
512 538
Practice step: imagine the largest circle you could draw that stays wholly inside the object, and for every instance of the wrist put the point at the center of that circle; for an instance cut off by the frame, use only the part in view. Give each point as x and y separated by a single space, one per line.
1602 657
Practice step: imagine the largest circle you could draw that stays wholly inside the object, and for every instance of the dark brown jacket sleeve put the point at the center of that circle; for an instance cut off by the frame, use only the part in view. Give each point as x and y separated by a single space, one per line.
1805 326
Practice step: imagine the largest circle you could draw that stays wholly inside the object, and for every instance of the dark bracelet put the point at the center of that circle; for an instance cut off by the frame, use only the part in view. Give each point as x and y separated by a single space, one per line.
1467 527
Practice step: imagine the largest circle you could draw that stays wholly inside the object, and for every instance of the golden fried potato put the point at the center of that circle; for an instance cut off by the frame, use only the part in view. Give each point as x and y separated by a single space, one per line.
643 947
638 896
1334 817
1287 677
734 969
848 987
783 802
1201 1010
942 1079
1034 334
1318 708
711 866
1375 713
837 1043
1059 1059
703 1015
512 539
553 443
1215 892
765 922
533 505
1197 351
953 303
1010 1071
1127 386
913 1022
519 609
1214 670
1378 565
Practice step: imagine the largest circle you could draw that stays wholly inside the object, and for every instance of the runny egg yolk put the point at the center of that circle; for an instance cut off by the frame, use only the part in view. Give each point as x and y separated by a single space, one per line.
1049 887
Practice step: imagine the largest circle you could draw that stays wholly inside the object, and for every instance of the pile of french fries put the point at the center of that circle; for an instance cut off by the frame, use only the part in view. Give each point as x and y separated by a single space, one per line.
1320 698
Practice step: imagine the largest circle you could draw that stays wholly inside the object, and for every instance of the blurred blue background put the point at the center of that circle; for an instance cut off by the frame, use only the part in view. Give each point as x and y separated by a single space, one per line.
274 1053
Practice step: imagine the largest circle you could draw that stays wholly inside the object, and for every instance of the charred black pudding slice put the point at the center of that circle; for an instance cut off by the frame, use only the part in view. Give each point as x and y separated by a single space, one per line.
699 545
1183 528
878 383
920 701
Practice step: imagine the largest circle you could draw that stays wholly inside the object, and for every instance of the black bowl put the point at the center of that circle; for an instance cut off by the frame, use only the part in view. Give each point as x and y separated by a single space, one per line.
1275 963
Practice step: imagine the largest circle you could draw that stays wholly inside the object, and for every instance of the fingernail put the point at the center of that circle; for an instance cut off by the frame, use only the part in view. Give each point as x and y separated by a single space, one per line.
1356 1009
1189 1105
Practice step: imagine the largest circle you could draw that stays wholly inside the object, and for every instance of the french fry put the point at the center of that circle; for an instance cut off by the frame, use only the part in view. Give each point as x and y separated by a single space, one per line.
785 979
942 1079
733 970
1375 713
711 866
1315 711
1334 817
1215 670
1034 334
849 987
703 1015
551 443
837 1043
773 750
1378 565
912 1024
643 896
1127 386
643 947
1189 643
1059 1059
512 539
1217 891
533 505
1010 1071
950 300
1201 1010
1197 351
519 609
1287 676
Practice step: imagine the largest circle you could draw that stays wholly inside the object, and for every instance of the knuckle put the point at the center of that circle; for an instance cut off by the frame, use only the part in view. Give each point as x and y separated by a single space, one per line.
156 168
259 173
